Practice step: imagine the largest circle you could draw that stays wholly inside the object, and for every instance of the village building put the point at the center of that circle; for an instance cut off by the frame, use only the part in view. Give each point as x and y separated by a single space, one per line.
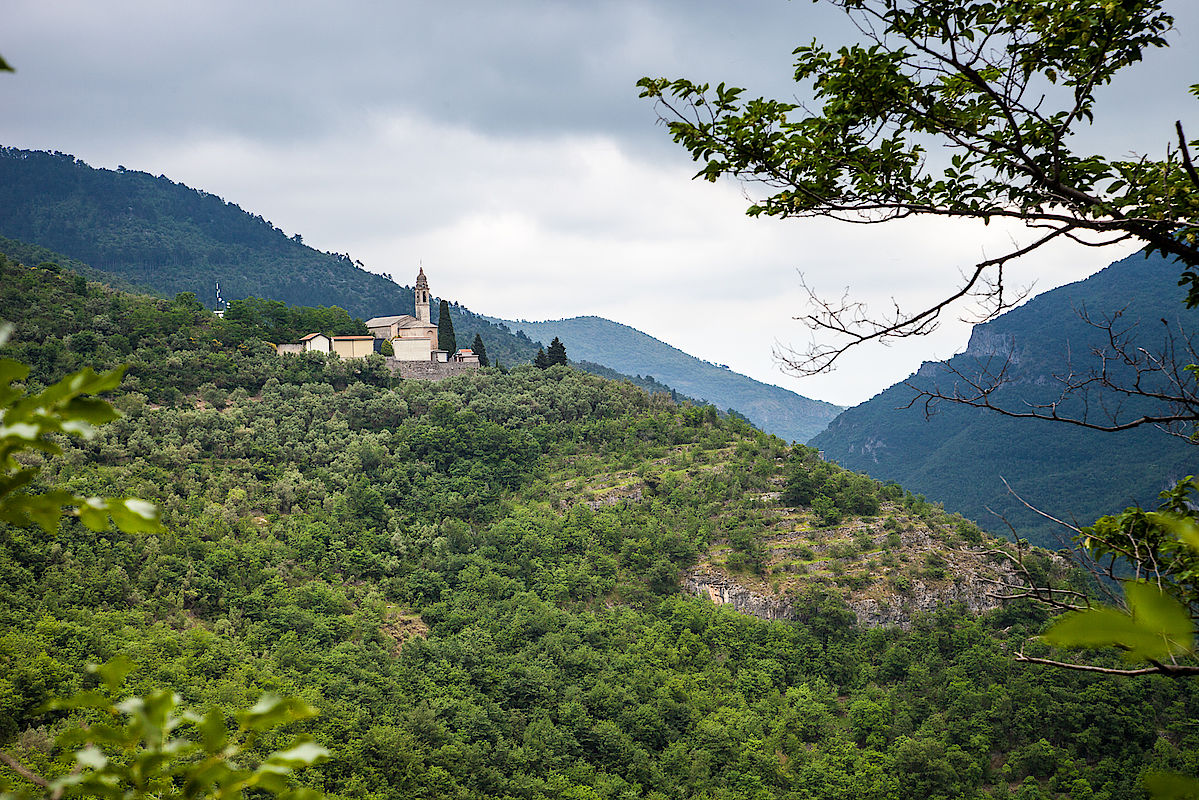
413 339
344 346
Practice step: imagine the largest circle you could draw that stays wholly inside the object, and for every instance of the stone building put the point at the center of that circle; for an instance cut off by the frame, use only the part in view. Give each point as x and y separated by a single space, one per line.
413 338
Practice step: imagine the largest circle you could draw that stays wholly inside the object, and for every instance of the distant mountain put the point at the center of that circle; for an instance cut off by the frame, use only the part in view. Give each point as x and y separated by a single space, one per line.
150 232
773 409
959 454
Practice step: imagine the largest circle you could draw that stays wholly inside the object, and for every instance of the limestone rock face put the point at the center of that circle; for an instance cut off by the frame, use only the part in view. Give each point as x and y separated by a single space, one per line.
722 591
974 591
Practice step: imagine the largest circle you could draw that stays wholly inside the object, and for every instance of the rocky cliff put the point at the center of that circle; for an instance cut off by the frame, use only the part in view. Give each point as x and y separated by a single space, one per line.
974 590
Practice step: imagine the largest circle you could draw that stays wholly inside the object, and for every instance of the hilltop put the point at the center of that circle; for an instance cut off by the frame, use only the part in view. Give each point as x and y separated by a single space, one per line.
138 232
152 233
624 349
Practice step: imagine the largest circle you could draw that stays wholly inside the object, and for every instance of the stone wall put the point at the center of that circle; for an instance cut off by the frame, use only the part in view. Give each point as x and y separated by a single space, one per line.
428 370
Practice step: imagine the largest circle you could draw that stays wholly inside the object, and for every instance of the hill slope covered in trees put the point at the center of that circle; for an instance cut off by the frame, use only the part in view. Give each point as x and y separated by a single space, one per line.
152 232
959 455
774 409
437 569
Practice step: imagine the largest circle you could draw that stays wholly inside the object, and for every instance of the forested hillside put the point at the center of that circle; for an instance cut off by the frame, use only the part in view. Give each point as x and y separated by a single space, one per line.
152 232
958 455
627 350
433 566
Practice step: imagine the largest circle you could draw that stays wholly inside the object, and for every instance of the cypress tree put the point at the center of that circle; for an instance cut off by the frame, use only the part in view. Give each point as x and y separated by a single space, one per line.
557 353
540 361
445 329
480 351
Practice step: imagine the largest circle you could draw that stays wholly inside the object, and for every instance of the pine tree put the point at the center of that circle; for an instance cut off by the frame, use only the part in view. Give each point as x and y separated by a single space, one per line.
480 351
445 329
540 361
557 353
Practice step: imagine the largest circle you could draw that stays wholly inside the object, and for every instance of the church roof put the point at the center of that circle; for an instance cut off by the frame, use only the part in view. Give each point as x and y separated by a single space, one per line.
379 322
413 322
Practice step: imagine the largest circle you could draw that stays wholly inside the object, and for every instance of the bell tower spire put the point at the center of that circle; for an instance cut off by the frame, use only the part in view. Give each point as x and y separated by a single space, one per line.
422 296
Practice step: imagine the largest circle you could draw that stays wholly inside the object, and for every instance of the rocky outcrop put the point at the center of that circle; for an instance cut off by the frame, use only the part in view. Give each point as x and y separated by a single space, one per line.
892 609
724 591
899 610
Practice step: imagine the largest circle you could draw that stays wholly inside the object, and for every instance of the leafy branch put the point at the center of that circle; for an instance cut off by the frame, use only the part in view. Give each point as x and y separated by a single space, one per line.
30 422
137 749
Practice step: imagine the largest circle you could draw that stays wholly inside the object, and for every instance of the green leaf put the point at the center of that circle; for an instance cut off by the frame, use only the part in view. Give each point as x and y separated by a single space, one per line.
114 671
302 754
90 409
212 731
271 711
132 515
1158 612
11 370
1157 628
85 699
302 793
91 758
1185 528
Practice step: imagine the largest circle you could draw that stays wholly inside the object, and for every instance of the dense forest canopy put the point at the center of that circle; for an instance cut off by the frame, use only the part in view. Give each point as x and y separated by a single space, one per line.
424 563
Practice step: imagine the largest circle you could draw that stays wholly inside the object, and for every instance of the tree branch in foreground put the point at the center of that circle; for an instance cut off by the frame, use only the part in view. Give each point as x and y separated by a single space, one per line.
1169 670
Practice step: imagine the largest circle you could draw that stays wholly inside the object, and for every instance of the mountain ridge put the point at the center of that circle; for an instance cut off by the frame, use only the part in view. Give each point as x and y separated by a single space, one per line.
623 348
961 456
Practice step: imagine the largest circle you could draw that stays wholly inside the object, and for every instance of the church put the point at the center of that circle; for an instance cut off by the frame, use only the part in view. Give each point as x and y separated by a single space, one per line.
413 338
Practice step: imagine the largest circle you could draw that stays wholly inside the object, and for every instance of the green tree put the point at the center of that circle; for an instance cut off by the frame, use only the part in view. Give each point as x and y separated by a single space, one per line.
540 360
480 350
556 354
445 329
1003 87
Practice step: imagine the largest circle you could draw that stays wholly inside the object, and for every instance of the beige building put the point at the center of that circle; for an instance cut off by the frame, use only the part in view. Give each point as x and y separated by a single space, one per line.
413 341
313 342
466 356
353 346
344 346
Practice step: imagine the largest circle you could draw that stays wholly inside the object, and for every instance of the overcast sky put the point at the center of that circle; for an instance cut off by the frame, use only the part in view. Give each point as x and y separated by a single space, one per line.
503 146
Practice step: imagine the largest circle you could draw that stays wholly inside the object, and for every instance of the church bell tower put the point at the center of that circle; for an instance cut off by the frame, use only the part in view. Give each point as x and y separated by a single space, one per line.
422 296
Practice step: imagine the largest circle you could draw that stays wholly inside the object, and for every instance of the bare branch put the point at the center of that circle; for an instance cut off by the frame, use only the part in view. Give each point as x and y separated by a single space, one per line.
1092 398
1186 155
1169 670
850 321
